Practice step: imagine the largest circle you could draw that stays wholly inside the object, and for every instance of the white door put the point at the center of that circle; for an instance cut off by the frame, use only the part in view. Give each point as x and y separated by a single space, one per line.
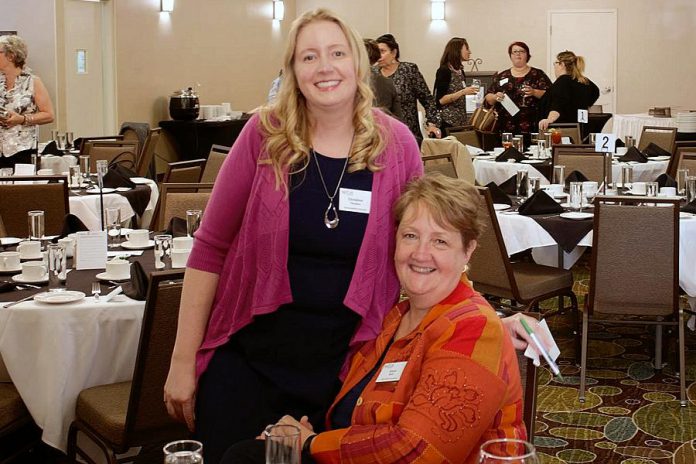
591 34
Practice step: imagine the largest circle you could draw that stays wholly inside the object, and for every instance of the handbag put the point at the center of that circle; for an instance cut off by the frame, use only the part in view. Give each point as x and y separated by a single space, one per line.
484 119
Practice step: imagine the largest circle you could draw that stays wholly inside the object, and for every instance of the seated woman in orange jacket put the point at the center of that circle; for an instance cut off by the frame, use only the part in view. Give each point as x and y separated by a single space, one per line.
442 377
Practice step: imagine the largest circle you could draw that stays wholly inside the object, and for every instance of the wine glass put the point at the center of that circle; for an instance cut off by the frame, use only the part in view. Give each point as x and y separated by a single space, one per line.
183 452
508 451
523 88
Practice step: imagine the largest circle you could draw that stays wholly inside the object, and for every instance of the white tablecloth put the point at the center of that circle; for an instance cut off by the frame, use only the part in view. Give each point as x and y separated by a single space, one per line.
52 352
642 172
632 124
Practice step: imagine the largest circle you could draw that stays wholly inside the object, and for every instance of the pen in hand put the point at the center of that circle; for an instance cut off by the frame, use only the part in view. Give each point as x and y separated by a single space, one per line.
554 367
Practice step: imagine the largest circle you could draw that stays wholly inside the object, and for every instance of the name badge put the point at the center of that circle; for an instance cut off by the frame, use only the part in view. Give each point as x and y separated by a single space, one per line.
503 81
355 201
391 372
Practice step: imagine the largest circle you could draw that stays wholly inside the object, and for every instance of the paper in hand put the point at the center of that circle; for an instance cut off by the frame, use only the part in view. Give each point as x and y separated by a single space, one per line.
531 351
509 105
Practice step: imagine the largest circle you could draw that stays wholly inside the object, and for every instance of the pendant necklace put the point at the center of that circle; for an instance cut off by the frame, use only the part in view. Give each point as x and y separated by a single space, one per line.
331 209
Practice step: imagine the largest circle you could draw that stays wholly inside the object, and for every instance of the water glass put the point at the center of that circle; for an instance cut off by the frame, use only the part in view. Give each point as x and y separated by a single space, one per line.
507 140
651 189
576 196
60 142
282 444
102 169
75 179
518 143
57 266
630 141
533 137
626 176
163 247
590 189
84 166
682 174
593 138
69 139
6 172
476 83
547 139
533 185
690 189
36 224
183 452
558 175
541 146
520 181
112 222
508 451
193 221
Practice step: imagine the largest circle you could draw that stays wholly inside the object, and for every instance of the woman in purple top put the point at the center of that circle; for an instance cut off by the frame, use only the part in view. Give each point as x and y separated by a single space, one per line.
292 263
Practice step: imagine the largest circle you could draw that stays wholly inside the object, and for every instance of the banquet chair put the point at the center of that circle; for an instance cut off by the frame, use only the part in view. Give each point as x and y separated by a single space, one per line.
489 140
112 151
525 284
634 271
440 163
123 415
594 165
568 129
18 432
663 137
184 171
595 109
17 199
218 154
558 148
147 154
463 165
102 138
595 123
175 202
680 146
684 158
465 134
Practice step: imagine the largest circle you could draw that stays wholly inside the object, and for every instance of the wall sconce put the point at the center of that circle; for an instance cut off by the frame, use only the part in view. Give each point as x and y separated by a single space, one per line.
437 10
166 6
278 10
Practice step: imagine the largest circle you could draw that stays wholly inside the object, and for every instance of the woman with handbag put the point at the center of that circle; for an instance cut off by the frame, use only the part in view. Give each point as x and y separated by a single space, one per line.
450 83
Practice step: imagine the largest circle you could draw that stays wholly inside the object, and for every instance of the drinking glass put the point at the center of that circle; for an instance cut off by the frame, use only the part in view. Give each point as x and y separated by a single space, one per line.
60 142
626 176
534 136
112 222
6 172
558 175
576 196
593 137
54 136
163 246
36 161
547 138
682 174
75 179
507 140
69 139
57 266
651 189
476 83
36 224
282 444
193 221
84 166
690 189
102 169
518 143
508 451
183 452
520 181
541 145
630 141
533 185
590 189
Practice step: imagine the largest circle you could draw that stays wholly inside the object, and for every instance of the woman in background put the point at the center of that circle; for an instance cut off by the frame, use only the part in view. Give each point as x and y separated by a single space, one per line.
386 96
450 83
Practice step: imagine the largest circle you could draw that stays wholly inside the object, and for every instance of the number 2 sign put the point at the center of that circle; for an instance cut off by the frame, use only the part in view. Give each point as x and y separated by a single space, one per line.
605 143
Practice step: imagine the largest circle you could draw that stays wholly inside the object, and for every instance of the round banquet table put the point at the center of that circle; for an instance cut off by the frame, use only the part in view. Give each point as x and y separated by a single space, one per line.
632 124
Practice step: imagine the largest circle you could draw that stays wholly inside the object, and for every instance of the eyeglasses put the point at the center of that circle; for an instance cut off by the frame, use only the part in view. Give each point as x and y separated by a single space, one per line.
518 52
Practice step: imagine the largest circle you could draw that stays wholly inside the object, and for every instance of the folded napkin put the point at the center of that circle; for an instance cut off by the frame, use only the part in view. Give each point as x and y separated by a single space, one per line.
632 154
665 180
118 176
72 224
620 143
51 149
77 143
689 208
498 195
7 287
510 153
510 186
575 176
655 150
539 203
177 227
137 287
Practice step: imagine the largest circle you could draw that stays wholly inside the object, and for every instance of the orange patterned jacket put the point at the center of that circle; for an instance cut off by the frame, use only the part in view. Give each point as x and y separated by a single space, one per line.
460 387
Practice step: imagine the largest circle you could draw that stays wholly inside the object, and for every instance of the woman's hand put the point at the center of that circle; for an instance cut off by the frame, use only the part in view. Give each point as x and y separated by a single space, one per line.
180 392
520 337
433 129
306 429
12 119
470 90
544 124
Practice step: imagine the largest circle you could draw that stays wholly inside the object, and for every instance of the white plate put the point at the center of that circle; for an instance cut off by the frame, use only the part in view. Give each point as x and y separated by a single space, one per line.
105 190
9 241
532 161
123 189
68 296
140 180
129 246
659 158
500 206
576 215
620 185
19 278
106 276
683 215
584 205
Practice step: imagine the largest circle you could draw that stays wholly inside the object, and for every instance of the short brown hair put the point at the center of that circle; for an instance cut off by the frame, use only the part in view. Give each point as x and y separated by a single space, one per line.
372 50
453 203
452 56
521 45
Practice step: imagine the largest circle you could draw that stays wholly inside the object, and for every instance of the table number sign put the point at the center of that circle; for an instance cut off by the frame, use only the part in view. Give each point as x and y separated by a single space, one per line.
582 116
605 143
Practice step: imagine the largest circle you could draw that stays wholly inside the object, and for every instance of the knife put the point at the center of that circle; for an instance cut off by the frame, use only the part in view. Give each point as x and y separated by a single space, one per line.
18 301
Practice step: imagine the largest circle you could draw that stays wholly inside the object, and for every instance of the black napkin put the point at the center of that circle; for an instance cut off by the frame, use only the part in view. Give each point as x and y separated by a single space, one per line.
72 224
7 287
51 149
118 176
634 155
510 153
177 227
137 287
689 208
665 180
539 203
510 186
77 143
655 150
620 143
497 194
575 176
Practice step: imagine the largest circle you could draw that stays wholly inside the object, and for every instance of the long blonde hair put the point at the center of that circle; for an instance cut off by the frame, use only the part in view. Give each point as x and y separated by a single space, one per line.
574 64
285 123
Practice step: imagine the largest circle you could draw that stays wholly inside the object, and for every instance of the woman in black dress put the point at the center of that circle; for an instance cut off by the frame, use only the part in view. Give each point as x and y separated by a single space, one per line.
450 83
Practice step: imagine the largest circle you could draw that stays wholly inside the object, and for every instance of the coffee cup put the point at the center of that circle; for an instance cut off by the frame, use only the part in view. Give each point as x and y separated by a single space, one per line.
620 151
554 189
44 172
668 191
69 244
139 237
639 188
179 258
182 243
33 270
118 269
29 250
611 192
9 261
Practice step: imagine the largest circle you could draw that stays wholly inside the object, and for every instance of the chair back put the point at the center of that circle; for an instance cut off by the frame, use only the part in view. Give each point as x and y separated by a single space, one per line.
218 154
19 198
440 163
489 267
685 146
465 135
103 138
595 109
571 130
663 137
147 419
685 158
635 262
184 172
111 151
575 147
148 152
594 165
176 199
461 165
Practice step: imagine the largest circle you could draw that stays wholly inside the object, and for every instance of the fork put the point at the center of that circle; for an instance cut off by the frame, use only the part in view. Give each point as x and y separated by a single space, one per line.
96 290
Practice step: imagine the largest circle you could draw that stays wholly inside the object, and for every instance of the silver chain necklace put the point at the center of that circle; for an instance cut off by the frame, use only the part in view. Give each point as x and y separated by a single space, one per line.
331 223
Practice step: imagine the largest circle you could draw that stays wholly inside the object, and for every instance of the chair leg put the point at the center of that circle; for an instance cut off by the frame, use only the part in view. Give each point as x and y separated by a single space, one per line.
682 361
658 347
72 444
583 357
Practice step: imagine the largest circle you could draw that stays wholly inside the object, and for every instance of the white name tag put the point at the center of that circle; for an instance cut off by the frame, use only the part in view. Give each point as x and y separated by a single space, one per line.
582 116
503 81
356 201
605 143
391 372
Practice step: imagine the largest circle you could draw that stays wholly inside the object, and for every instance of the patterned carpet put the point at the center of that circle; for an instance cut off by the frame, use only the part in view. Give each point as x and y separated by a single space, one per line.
631 414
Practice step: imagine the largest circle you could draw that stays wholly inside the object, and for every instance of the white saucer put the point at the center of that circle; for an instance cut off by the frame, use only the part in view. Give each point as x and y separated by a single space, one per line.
19 278
659 158
105 190
18 269
68 296
128 246
532 161
106 276
140 180
501 206
9 241
576 215
26 258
